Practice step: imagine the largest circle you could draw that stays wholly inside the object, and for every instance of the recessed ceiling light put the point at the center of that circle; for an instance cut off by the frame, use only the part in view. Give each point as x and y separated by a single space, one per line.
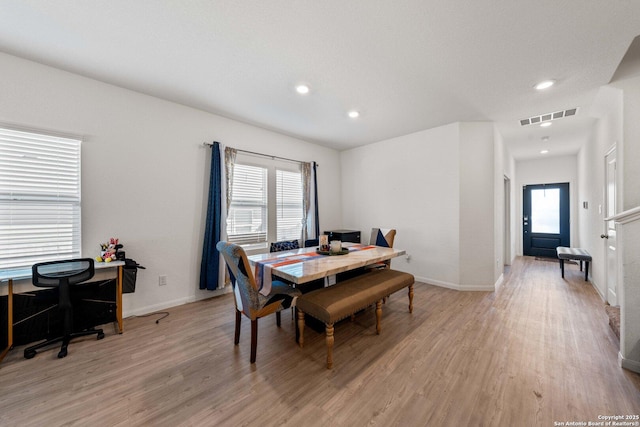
302 89
544 151
545 84
545 124
353 114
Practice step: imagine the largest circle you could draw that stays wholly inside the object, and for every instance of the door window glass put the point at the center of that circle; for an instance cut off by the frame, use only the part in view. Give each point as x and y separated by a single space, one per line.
545 211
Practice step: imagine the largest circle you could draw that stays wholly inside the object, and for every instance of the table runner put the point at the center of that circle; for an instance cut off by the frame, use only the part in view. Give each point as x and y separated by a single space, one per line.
262 270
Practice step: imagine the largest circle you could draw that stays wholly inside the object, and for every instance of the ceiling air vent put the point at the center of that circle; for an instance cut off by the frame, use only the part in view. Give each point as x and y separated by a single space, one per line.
549 116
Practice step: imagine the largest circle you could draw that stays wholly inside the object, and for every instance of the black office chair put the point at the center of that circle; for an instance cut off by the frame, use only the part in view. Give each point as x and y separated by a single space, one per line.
61 275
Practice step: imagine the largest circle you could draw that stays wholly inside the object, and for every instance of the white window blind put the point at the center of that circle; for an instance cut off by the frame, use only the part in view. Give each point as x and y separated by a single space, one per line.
39 198
247 219
288 205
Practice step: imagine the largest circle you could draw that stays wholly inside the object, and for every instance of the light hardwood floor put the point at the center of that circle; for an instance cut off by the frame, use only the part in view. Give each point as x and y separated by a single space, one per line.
536 352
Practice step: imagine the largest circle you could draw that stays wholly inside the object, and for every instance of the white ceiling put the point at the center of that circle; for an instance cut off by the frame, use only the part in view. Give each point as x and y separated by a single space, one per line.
406 65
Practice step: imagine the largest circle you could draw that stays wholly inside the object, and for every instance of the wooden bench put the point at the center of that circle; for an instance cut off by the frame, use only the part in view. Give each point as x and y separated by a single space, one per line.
340 301
577 254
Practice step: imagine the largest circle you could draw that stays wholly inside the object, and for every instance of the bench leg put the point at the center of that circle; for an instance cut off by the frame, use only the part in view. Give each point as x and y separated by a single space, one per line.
580 265
410 298
300 328
586 270
378 316
329 329
562 267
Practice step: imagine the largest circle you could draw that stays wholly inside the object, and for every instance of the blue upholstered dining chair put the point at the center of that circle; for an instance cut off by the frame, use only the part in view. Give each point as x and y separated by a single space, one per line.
248 300
285 245
311 242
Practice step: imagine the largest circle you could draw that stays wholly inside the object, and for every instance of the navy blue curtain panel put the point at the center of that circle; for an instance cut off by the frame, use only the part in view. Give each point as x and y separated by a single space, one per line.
315 194
210 267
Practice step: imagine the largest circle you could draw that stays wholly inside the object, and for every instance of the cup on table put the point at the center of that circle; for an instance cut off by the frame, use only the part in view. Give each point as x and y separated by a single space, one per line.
336 246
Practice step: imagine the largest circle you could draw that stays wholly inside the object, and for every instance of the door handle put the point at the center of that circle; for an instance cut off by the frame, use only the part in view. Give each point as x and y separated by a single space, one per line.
604 236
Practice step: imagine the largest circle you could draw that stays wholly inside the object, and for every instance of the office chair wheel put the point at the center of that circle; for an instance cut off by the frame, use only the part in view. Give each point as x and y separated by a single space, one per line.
100 335
29 354
62 353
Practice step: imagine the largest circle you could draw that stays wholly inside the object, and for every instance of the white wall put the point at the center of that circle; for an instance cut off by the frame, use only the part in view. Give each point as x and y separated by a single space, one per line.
505 216
629 235
145 171
478 259
546 171
434 187
631 141
591 181
509 172
410 183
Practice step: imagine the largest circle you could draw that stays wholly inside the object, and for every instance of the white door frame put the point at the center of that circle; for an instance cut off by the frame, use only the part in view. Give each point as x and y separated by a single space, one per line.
609 234
507 222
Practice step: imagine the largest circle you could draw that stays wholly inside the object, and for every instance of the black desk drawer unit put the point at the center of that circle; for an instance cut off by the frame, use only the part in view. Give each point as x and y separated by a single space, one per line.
352 236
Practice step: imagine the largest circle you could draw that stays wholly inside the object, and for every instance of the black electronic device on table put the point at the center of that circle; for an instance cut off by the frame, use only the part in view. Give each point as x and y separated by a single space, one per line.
352 236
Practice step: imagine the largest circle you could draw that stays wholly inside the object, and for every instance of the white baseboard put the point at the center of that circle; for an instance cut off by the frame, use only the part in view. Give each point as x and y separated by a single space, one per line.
156 307
478 288
200 295
499 282
458 287
631 365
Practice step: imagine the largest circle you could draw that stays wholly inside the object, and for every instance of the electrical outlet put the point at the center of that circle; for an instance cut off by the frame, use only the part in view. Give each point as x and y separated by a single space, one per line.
162 280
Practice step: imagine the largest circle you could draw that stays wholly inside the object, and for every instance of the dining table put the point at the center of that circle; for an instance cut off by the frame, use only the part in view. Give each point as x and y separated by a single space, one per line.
309 264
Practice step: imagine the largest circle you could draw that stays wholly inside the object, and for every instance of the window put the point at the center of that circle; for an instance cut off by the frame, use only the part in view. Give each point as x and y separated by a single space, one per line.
266 202
247 219
39 198
288 205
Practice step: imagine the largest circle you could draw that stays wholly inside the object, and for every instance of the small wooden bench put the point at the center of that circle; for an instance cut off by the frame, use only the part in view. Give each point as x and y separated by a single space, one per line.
340 301
577 254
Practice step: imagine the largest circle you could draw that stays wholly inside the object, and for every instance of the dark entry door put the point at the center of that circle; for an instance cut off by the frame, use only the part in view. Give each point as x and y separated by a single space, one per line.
545 218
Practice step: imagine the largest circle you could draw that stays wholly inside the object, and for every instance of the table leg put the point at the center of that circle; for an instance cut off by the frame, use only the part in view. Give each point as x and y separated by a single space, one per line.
9 320
378 316
300 331
119 299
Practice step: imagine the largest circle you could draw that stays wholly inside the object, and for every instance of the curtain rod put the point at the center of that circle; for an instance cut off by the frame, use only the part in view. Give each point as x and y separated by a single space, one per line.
260 154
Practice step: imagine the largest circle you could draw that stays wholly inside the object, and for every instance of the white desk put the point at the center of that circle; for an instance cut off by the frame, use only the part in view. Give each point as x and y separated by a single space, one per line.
22 278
